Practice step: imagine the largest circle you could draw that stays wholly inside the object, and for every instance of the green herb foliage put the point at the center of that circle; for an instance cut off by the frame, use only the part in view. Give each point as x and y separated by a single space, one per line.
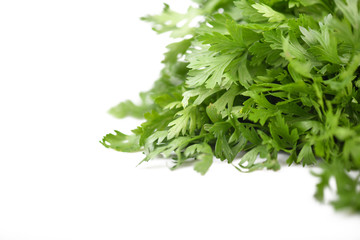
260 76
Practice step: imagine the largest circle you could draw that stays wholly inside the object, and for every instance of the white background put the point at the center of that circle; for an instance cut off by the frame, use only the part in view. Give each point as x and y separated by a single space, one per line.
63 64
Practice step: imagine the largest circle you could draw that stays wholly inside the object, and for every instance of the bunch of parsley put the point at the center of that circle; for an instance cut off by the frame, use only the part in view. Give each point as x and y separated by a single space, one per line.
260 76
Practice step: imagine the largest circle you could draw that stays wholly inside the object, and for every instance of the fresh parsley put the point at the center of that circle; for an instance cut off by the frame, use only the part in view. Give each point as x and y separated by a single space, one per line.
260 76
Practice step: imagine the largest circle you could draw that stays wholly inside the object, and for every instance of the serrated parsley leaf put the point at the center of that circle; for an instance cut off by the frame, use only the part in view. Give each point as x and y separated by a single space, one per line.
121 142
268 12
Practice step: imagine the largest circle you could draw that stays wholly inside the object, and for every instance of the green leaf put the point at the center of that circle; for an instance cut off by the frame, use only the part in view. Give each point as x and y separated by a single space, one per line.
249 12
306 155
222 146
250 157
268 12
232 42
176 50
204 157
188 121
213 113
128 108
121 142
207 68
169 20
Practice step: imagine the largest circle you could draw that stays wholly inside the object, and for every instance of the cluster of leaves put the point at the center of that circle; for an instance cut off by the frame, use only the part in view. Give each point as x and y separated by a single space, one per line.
260 76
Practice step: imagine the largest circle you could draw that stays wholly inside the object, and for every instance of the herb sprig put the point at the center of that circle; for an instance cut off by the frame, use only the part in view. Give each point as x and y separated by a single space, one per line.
261 76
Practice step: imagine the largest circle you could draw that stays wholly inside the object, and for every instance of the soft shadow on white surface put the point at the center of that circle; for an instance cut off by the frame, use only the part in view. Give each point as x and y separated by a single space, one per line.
63 65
